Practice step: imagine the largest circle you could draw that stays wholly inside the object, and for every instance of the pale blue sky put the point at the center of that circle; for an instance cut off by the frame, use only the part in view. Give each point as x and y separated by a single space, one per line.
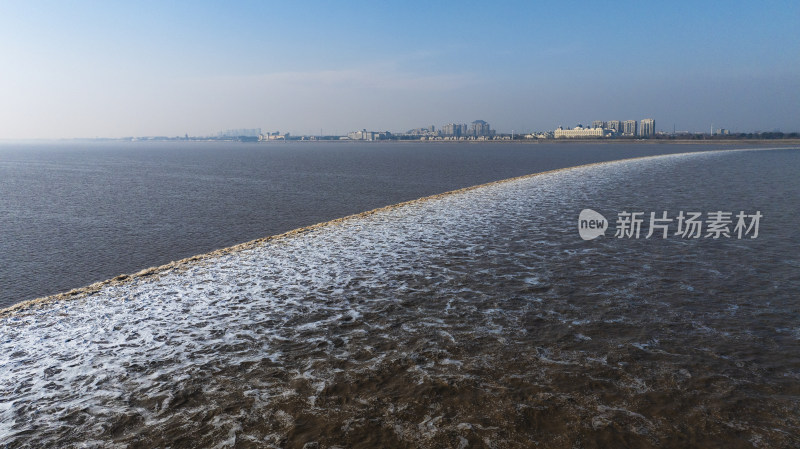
111 69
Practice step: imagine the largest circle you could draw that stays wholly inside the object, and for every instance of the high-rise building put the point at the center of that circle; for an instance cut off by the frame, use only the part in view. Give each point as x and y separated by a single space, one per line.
648 128
429 131
454 130
614 126
598 124
480 128
629 128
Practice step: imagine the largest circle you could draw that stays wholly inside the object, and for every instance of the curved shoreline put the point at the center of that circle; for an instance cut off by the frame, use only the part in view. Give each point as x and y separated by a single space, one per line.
181 264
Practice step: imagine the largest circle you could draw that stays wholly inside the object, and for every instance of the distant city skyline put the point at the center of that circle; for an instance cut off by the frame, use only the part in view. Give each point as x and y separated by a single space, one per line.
482 130
115 69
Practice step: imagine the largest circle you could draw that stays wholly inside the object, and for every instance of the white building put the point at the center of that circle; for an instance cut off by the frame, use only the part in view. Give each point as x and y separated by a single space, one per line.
647 128
367 135
454 130
629 128
273 136
578 132
480 128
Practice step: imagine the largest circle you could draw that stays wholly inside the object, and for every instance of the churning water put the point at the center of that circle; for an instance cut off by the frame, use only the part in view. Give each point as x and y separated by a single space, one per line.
473 319
76 213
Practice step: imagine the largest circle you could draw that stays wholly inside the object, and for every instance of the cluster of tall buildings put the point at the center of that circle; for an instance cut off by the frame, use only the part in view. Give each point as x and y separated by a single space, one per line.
478 128
368 135
611 128
644 128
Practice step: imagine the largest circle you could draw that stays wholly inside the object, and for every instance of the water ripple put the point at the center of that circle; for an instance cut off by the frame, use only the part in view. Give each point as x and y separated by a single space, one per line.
473 319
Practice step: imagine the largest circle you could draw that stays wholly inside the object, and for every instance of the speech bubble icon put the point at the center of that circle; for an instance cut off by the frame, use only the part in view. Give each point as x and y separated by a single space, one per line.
591 224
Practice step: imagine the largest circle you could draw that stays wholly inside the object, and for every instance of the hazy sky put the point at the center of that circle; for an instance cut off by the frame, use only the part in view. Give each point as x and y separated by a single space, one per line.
112 69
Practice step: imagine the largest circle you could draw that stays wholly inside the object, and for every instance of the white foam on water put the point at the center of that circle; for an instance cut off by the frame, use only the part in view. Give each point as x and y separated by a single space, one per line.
299 303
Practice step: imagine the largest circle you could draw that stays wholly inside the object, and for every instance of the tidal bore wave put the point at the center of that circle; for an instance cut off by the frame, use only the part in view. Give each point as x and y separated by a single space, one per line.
473 319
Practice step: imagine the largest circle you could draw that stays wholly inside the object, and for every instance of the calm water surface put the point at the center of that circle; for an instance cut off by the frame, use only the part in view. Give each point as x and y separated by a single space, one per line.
76 213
